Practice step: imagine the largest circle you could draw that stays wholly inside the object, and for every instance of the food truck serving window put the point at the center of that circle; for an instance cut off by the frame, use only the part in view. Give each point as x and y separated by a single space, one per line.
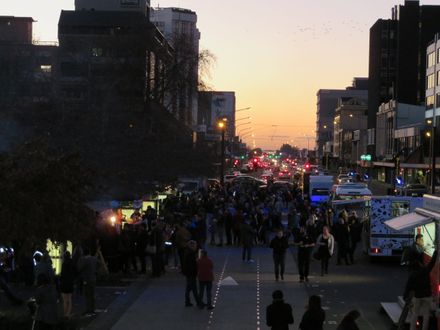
428 232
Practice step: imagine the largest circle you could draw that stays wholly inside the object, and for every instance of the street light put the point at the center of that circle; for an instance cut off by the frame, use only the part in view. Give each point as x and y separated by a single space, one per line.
249 117
243 124
242 109
222 126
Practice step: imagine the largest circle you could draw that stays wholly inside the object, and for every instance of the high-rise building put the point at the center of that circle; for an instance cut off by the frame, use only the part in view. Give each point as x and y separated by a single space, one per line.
114 5
397 62
179 26
327 102
26 77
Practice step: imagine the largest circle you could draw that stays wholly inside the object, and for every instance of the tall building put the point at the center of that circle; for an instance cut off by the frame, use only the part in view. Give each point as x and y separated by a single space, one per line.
111 84
179 26
350 116
26 78
327 102
432 113
114 5
397 62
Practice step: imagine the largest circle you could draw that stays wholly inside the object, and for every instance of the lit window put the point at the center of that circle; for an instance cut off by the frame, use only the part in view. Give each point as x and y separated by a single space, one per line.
431 81
97 52
430 102
46 68
431 59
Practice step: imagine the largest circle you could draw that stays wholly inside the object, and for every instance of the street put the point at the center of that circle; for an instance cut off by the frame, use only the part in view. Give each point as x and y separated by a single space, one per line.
360 286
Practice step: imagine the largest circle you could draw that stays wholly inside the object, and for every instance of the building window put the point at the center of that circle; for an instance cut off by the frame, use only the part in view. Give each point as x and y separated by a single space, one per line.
46 68
97 52
129 3
431 59
430 81
430 102
437 100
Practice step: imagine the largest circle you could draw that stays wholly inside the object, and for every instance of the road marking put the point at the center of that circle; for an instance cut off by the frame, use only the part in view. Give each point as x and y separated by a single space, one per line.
258 295
228 281
217 291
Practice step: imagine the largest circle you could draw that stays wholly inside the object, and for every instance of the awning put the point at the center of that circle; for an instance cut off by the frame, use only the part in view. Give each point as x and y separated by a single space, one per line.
408 221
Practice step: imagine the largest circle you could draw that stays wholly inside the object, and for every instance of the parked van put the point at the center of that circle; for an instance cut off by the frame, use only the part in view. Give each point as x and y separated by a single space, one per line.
320 187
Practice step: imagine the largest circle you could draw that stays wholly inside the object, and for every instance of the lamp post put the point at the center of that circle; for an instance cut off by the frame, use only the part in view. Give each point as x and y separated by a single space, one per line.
242 109
222 126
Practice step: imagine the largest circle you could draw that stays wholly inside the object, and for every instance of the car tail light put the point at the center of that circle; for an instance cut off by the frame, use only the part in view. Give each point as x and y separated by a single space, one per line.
375 250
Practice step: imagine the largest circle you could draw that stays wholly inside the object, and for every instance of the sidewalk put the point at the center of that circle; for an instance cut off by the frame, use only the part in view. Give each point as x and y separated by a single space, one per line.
18 317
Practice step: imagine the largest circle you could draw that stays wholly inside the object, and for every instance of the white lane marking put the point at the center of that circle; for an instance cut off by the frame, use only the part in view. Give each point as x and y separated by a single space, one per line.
258 295
217 292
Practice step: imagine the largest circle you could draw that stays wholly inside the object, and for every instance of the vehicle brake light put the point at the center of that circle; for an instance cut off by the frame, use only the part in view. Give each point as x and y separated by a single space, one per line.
375 250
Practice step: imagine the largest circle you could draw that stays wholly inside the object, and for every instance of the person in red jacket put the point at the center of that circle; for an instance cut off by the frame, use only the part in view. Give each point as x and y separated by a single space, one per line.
205 275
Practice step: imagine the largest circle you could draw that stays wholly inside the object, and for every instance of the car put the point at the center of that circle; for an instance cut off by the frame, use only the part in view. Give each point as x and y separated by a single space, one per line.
412 189
284 175
346 180
343 177
229 177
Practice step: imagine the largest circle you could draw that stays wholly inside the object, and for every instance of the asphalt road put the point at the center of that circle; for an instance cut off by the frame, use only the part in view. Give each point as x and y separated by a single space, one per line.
362 286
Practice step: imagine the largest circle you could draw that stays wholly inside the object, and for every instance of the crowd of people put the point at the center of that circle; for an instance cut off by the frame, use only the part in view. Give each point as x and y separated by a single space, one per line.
243 214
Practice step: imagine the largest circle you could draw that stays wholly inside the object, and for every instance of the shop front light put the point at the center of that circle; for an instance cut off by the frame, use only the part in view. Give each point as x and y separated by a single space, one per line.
113 220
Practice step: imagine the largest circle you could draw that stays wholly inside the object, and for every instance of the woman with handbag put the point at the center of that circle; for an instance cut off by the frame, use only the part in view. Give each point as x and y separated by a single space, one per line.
326 245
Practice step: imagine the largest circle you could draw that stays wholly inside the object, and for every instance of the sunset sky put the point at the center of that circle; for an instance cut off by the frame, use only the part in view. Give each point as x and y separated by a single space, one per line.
274 54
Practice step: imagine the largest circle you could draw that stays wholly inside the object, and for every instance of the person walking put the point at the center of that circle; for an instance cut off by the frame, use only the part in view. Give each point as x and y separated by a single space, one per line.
314 317
205 275
306 242
279 314
182 238
67 279
343 239
46 315
190 271
88 266
355 232
349 321
247 234
326 246
279 245
419 286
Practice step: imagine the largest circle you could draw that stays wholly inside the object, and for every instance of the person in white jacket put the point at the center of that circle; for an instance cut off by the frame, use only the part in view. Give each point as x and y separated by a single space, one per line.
326 245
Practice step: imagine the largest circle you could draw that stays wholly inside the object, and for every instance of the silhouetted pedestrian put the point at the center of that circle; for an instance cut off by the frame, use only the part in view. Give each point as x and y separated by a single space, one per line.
279 314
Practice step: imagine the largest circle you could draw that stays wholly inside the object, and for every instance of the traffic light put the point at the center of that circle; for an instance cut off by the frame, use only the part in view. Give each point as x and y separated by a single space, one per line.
307 166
